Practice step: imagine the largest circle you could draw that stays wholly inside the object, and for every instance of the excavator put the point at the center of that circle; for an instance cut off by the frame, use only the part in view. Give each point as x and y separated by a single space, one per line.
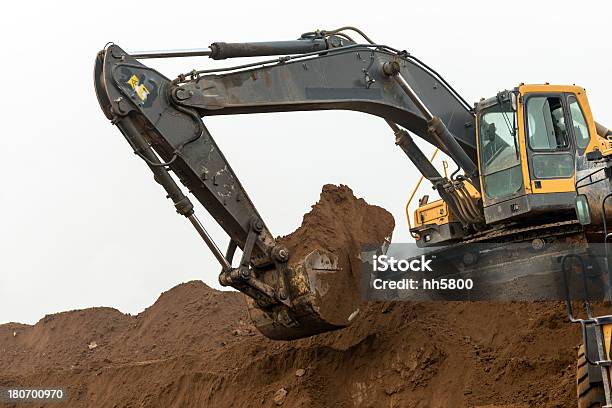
532 163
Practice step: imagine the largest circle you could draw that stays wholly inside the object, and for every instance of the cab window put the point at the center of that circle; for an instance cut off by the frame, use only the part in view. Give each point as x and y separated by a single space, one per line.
500 162
552 166
579 123
548 136
546 123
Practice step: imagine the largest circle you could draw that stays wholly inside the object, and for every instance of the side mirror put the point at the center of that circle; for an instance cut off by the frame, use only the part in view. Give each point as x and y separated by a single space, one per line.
582 209
514 101
595 155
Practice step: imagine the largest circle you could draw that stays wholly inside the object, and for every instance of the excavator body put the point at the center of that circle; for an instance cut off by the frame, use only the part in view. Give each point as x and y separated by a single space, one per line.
532 164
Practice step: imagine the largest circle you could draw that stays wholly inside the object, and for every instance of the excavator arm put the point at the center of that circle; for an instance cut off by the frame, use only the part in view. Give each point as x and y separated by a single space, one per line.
161 120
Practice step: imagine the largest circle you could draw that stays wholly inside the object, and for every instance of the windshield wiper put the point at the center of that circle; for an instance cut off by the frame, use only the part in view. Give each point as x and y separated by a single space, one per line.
512 129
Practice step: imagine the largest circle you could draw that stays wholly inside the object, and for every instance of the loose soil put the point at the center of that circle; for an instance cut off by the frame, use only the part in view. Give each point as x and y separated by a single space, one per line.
343 225
195 346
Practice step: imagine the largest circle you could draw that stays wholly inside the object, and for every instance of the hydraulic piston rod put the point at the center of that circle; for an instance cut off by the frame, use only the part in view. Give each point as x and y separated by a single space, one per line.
436 126
225 265
222 50
427 169
192 52
602 130
182 204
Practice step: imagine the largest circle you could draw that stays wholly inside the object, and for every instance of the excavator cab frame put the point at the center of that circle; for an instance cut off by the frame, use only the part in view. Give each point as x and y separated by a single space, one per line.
555 131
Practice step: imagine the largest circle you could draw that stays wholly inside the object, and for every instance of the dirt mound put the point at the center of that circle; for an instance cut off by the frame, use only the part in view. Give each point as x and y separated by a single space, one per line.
395 354
195 347
191 317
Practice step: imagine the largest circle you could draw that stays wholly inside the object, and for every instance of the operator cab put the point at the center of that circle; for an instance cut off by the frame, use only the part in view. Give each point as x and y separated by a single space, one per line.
528 142
531 141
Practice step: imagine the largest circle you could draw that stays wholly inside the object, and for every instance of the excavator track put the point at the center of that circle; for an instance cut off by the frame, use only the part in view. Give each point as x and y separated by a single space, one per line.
509 234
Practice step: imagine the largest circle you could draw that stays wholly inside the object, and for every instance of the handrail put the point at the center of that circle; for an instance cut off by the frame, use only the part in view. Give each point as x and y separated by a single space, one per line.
414 190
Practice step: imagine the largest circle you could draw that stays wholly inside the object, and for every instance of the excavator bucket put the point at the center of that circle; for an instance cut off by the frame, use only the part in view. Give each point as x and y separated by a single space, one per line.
312 311
327 294
328 289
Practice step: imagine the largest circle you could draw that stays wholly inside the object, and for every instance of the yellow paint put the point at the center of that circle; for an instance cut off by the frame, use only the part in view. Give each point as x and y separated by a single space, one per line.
547 88
607 331
139 88
133 81
414 190
554 185
475 194
437 212
522 139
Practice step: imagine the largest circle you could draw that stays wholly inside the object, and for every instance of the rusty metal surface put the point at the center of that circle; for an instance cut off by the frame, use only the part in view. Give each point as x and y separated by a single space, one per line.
314 305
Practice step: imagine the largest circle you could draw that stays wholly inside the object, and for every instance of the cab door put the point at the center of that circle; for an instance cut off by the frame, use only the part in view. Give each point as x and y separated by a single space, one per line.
550 145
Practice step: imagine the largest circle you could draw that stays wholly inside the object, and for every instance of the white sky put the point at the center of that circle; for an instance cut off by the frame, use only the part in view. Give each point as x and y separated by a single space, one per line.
83 224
